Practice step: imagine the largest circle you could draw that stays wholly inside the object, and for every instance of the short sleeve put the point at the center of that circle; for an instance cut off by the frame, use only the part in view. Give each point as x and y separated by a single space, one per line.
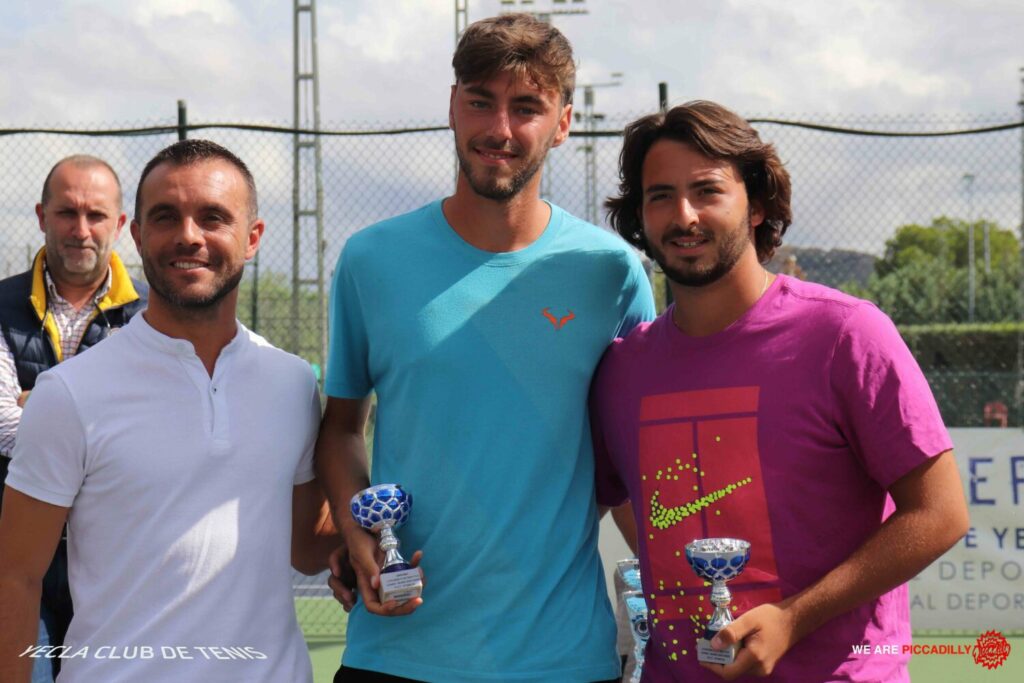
304 471
637 297
883 402
49 458
608 484
348 374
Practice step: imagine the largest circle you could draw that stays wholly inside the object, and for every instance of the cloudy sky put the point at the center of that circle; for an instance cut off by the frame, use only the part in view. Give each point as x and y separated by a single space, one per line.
102 61
122 63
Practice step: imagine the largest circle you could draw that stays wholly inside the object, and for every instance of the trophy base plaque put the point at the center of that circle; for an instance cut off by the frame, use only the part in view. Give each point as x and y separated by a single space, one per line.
706 653
400 585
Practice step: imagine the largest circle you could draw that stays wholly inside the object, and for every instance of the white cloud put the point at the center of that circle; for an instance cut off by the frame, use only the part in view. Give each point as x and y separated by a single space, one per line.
388 32
148 12
122 62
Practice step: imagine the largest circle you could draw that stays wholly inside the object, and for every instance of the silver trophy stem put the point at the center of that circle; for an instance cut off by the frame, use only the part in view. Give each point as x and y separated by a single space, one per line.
389 544
720 598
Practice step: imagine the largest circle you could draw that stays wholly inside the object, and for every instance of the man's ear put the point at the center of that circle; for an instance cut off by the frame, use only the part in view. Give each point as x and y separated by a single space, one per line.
451 107
255 236
563 126
136 237
756 214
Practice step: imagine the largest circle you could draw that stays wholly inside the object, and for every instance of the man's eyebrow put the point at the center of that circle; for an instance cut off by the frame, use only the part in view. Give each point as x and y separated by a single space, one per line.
205 208
529 99
695 185
161 207
480 91
658 187
216 207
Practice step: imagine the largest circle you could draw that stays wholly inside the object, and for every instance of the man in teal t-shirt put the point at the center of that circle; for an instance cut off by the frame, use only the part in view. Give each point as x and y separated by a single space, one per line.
478 321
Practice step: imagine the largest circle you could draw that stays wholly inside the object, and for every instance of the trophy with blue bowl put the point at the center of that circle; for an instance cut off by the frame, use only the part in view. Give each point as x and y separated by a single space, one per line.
717 560
638 621
381 510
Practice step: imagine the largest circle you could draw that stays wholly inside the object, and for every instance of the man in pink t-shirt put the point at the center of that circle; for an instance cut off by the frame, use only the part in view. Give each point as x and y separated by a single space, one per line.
764 408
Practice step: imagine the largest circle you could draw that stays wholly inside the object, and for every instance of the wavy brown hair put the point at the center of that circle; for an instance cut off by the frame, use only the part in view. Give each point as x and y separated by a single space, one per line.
521 45
717 133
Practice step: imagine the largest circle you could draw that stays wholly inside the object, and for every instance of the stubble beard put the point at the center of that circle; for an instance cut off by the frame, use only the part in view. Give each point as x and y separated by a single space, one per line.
502 190
730 249
84 268
194 305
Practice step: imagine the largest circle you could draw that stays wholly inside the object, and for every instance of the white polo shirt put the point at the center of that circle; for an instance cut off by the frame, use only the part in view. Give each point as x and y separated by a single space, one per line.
180 489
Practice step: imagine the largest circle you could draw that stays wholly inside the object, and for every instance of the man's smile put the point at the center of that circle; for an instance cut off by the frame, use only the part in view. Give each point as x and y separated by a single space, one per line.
188 265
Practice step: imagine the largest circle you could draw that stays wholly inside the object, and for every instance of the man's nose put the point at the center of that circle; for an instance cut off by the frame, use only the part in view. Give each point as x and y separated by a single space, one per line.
686 214
80 227
190 233
501 127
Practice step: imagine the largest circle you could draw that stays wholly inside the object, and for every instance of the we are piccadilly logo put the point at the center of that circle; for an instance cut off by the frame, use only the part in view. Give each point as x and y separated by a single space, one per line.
991 650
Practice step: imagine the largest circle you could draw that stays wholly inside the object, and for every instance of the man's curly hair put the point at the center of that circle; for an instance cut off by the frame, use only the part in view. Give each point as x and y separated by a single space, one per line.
717 133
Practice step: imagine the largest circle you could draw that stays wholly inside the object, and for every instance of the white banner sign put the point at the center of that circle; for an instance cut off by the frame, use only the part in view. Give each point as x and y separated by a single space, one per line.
979 584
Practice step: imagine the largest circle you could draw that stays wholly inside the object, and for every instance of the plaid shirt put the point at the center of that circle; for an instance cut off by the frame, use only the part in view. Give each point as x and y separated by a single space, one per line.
71 324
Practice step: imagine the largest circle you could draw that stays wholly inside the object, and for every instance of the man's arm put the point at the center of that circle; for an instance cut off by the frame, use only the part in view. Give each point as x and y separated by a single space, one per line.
314 536
626 523
341 466
12 399
931 515
29 532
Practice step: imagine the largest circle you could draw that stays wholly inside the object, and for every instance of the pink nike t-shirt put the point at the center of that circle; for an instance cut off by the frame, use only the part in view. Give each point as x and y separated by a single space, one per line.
785 429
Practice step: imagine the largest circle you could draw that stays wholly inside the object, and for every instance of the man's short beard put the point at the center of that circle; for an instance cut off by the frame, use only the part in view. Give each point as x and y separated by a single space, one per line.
499 192
514 185
64 268
699 278
194 304
729 255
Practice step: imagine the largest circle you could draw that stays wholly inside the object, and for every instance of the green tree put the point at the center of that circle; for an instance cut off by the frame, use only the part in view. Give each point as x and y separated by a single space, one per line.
275 317
923 276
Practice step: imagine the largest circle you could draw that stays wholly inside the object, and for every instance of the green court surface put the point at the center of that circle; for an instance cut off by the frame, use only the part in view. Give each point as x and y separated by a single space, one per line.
326 657
323 623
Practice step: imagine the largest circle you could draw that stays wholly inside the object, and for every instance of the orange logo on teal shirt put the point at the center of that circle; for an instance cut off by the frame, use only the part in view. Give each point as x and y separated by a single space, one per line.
559 323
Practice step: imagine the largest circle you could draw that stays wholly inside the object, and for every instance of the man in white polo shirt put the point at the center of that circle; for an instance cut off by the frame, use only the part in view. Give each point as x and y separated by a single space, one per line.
180 453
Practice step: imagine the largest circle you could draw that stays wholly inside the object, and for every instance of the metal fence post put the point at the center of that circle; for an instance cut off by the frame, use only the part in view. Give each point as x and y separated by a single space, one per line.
182 120
1019 397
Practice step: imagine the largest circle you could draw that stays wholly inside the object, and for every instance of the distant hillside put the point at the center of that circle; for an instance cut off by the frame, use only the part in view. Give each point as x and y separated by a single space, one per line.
830 267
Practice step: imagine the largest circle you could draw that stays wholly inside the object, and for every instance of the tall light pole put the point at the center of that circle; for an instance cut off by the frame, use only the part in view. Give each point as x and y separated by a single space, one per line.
988 248
968 180
307 184
589 118
552 9
461 19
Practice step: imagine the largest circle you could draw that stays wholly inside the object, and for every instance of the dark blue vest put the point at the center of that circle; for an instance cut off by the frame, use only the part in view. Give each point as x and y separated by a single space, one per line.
23 330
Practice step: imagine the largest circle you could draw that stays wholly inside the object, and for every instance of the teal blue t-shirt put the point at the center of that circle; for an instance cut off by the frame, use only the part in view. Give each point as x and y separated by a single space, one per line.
482 363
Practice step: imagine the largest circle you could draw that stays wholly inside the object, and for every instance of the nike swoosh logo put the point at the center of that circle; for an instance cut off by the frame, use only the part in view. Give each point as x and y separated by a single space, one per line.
665 518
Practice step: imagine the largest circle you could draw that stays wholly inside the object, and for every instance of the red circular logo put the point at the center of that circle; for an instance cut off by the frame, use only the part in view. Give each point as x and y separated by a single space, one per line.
991 650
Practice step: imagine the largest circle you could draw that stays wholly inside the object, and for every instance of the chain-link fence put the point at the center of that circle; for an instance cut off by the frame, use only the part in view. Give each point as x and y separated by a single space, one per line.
925 224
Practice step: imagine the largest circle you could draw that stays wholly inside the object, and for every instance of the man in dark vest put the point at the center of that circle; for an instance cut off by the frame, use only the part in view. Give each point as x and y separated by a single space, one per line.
76 293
